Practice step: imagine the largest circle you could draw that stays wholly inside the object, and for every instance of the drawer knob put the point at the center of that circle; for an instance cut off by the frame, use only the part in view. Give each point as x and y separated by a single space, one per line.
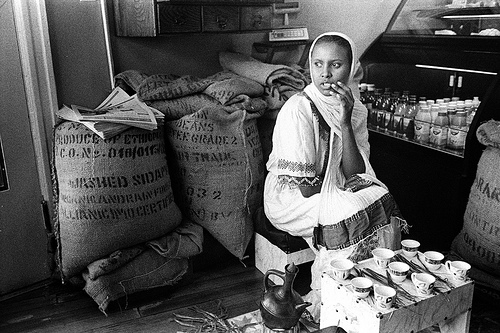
257 20
221 22
180 20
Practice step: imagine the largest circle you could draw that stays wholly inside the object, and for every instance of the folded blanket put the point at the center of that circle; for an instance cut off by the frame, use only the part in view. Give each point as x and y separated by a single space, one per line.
265 74
157 263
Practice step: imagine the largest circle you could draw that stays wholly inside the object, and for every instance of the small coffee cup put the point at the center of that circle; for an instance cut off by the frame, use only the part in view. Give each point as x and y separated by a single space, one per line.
410 247
398 271
432 259
382 256
361 286
459 269
341 268
424 282
384 296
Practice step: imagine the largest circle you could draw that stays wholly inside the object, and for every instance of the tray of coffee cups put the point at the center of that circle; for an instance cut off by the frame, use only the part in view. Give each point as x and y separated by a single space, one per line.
419 288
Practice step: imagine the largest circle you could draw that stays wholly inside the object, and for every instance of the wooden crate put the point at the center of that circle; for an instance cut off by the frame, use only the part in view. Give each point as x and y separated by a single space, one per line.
450 309
269 256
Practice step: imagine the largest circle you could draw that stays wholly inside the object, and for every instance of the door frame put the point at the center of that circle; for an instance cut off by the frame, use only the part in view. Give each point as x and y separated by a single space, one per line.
39 84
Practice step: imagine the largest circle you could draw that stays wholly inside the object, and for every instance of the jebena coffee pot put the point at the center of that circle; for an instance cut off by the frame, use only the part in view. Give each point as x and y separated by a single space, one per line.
281 307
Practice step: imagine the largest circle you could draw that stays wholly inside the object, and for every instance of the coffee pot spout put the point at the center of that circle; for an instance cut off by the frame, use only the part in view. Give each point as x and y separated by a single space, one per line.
299 308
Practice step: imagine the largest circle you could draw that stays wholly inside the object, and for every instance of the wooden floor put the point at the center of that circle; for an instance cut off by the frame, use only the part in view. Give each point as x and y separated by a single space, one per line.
53 307
62 308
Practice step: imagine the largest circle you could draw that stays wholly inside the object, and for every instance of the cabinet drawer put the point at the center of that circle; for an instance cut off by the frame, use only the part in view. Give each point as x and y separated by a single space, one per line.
178 18
256 17
134 18
220 18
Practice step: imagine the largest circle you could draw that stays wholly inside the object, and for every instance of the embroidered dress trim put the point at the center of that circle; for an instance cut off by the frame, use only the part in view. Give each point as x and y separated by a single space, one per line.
296 166
299 181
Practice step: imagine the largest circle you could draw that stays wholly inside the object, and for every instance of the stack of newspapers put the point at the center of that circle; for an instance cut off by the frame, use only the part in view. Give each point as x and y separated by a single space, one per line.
115 114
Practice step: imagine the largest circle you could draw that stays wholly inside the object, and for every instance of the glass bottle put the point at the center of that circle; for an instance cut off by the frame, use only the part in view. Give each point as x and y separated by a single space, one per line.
377 108
458 130
392 124
398 116
423 123
475 105
384 111
439 130
409 116
369 102
434 110
451 109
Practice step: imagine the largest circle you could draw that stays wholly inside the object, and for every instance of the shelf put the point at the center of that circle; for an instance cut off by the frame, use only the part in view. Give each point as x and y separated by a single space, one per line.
450 11
428 146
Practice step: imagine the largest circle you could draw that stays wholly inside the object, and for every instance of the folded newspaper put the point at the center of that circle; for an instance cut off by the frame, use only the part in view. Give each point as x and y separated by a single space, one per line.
115 114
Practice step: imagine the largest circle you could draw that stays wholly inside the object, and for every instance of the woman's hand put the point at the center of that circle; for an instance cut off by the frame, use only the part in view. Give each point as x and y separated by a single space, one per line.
344 95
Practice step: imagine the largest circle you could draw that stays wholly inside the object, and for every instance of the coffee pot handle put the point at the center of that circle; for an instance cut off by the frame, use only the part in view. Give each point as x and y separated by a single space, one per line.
272 272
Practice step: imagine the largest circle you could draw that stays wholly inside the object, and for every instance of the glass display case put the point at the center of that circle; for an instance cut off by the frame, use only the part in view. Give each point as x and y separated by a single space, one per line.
449 18
436 51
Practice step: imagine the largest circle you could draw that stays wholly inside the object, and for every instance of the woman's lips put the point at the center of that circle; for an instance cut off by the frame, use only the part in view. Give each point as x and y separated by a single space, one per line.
326 85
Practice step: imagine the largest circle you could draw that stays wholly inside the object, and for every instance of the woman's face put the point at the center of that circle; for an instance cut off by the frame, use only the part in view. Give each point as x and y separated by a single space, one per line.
330 64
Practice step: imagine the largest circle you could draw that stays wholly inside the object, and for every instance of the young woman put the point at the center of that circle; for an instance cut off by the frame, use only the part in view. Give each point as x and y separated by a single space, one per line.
320 184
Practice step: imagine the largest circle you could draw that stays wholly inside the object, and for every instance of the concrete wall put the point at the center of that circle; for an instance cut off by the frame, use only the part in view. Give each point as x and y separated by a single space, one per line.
362 20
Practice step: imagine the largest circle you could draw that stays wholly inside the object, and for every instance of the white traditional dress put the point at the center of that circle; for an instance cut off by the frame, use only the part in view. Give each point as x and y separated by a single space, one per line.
307 150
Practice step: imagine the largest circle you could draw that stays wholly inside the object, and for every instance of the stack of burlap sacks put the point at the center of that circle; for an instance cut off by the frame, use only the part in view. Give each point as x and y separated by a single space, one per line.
130 210
479 240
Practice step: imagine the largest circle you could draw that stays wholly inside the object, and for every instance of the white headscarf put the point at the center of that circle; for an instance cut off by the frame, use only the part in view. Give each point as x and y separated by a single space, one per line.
329 106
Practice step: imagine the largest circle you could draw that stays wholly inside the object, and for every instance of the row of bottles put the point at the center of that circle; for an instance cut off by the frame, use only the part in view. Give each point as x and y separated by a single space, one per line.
442 123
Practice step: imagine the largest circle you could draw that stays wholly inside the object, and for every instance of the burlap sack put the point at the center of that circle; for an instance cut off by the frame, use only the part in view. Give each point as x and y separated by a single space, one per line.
218 172
479 240
109 194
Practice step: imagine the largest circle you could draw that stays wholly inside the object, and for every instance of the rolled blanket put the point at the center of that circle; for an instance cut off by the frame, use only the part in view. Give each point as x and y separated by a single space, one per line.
265 74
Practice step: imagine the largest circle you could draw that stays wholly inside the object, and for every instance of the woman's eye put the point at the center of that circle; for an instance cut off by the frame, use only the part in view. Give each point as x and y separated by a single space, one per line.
336 65
317 64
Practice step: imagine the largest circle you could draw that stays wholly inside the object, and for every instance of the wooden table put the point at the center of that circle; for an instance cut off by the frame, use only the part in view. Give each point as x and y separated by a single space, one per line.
450 309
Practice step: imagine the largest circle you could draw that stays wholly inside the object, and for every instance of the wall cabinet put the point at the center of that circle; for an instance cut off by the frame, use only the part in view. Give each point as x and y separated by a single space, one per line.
150 18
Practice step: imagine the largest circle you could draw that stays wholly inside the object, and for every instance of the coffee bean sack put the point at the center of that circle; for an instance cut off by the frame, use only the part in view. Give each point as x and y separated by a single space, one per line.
218 172
478 241
109 194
